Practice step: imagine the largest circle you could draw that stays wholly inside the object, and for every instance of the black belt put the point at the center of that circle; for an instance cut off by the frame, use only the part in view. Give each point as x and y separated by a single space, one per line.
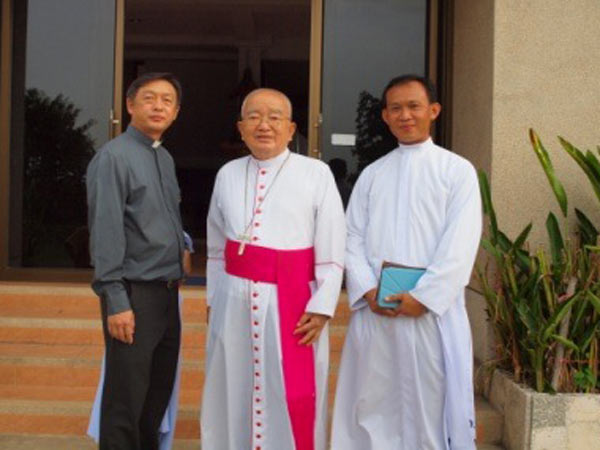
169 284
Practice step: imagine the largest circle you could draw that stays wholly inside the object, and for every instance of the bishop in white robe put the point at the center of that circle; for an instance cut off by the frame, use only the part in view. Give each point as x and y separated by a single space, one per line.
266 209
405 380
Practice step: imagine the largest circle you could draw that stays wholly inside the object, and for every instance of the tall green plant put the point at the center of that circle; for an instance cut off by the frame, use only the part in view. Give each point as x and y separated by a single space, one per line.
544 305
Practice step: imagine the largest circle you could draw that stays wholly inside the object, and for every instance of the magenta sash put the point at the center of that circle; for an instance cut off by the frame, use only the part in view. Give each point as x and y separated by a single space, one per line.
291 271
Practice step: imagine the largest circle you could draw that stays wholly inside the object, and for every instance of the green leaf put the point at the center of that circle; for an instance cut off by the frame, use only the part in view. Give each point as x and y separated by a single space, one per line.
527 318
584 379
558 316
491 248
566 342
522 237
488 207
580 159
504 242
593 163
557 244
580 313
523 260
589 233
544 158
588 336
594 300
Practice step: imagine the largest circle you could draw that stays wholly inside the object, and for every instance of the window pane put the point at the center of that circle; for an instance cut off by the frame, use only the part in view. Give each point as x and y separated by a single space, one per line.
366 43
63 85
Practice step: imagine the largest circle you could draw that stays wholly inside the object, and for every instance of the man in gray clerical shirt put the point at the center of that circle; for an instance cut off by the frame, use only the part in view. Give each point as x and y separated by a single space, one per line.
136 244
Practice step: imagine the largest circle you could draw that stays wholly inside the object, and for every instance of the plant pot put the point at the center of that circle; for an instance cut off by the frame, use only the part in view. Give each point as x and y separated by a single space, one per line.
536 421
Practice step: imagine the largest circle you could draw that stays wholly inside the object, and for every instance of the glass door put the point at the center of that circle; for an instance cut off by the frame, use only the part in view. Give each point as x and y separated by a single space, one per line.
365 44
63 82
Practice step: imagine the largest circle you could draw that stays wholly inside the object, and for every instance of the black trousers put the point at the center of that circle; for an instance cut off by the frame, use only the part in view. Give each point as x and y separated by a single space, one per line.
139 377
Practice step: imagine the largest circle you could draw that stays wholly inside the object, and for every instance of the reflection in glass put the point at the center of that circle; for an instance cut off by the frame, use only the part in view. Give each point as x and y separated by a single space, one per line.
365 44
62 97
57 152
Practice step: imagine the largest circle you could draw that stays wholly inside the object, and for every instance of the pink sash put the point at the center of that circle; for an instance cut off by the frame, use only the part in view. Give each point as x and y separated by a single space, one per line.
291 271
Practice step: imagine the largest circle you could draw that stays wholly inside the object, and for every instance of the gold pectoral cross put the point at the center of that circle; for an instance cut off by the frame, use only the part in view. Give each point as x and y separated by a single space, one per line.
243 238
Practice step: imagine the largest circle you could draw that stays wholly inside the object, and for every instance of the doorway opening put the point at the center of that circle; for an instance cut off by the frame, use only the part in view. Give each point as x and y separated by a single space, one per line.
219 51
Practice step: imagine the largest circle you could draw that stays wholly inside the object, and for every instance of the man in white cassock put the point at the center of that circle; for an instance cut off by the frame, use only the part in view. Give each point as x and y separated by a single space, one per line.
276 239
405 380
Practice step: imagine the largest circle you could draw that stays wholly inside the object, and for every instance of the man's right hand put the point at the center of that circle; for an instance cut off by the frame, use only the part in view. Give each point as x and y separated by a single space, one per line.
121 326
371 298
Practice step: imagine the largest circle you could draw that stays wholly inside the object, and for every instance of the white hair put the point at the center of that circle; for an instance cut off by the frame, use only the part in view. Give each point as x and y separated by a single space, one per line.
288 102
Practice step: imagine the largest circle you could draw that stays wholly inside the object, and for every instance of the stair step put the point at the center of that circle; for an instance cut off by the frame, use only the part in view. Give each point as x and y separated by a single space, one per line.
51 347
81 375
88 332
490 422
48 442
79 302
75 394
71 417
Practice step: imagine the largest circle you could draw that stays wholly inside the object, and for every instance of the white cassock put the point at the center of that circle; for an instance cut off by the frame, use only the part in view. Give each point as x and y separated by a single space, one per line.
291 202
407 383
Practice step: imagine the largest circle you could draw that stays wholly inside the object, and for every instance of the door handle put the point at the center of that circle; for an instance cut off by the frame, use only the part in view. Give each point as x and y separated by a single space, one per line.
114 125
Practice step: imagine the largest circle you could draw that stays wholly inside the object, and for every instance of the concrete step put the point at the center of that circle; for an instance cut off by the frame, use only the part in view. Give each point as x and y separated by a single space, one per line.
51 347
490 423
49 442
46 442
79 302
72 417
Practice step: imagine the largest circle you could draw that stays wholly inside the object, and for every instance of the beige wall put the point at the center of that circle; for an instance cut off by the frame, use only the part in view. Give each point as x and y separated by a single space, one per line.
546 76
473 81
521 64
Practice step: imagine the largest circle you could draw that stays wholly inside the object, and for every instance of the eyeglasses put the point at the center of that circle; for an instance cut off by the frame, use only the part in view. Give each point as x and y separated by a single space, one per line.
273 120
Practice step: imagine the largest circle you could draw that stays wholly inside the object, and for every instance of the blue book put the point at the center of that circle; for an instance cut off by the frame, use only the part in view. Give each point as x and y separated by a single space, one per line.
394 279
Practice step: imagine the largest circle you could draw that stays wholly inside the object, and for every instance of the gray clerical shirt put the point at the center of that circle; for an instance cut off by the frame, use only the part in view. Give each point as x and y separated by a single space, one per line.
133 216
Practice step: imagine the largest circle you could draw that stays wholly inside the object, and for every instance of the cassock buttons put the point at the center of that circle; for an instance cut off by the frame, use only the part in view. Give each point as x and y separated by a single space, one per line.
255 307
258 210
255 335
260 198
262 186
255 294
263 172
256 323
255 238
256 224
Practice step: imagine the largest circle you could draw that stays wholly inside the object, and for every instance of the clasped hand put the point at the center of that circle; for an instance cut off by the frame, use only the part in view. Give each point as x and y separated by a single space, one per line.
310 325
407 305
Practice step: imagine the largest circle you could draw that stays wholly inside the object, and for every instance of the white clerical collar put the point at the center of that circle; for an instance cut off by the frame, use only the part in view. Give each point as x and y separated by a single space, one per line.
417 146
275 161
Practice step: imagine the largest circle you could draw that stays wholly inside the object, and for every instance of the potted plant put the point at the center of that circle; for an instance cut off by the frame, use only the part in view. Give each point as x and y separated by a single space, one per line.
544 308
